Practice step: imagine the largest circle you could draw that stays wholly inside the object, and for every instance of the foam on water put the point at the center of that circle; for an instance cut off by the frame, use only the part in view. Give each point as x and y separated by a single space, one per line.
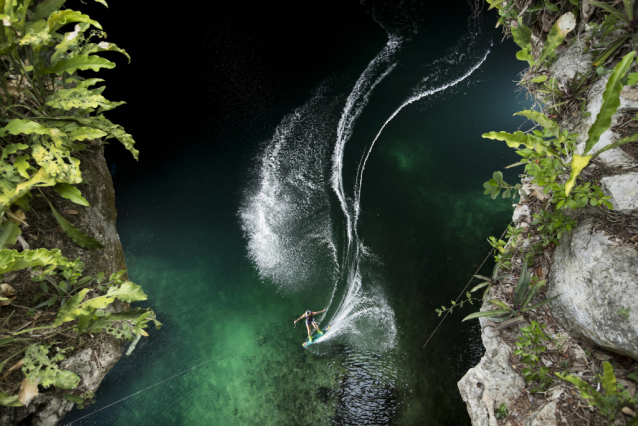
286 215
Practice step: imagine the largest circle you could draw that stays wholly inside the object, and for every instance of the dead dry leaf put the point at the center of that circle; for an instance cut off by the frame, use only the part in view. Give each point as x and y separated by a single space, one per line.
18 216
28 391
601 356
629 411
71 211
17 365
9 292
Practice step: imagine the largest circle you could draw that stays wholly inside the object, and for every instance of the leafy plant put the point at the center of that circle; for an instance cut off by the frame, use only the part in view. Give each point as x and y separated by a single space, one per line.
523 294
469 299
552 225
40 369
81 401
611 102
624 312
615 397
494 186
48 112
501 413
488 282
530 347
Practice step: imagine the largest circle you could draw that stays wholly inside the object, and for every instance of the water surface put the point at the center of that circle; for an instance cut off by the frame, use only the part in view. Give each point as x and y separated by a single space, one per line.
360 193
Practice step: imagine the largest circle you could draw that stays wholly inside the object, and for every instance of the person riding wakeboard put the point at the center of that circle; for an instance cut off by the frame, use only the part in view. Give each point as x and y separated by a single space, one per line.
310 320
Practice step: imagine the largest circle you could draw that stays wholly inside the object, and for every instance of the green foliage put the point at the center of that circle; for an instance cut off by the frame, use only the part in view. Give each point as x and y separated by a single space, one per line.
12 260
530 347
469 299
524 292
9 401
624 312
41 369
615 397
501 413
552 225
494 186
44 105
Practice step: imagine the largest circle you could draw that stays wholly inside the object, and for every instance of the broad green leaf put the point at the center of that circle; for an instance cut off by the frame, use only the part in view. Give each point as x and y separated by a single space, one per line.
11 260
9 231
26 127
62 17
12 149
70 41
84 133
513 140
104 46
79 62
22 165
522 35
57 163
486 314
541 119
114 130
68 312
46 8
71 193
579 162
609 380
539 79
611 102
525 55
35 36
128 292
80 98
88 83
9 401
10 195
79 237
632 79
557 34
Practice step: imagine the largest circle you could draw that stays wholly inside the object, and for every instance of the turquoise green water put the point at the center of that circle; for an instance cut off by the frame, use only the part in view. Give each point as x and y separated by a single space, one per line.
227 271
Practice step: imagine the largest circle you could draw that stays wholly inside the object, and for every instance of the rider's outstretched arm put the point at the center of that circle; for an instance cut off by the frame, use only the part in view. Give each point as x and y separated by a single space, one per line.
320 312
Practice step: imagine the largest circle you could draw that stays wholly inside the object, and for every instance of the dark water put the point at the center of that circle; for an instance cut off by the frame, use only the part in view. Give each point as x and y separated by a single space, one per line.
300 157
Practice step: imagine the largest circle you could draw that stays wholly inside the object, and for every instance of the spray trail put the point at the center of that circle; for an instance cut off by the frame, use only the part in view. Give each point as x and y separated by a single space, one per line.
411 100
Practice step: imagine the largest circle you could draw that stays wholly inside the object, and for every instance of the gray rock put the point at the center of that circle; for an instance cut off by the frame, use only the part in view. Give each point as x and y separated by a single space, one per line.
595 277
490 383
623 190
571 61
544 416
520 213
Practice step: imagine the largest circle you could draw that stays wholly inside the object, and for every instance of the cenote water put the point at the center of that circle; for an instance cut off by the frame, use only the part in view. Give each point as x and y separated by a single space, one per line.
354 186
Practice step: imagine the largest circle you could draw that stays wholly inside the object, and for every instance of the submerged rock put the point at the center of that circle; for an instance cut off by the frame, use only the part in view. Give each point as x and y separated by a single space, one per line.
596 277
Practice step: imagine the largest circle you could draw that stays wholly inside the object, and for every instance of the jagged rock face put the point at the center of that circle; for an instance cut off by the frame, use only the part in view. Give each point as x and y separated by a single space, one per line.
596 277
492 382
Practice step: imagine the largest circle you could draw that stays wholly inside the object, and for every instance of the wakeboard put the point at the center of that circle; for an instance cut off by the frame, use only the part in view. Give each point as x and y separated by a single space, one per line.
316 337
